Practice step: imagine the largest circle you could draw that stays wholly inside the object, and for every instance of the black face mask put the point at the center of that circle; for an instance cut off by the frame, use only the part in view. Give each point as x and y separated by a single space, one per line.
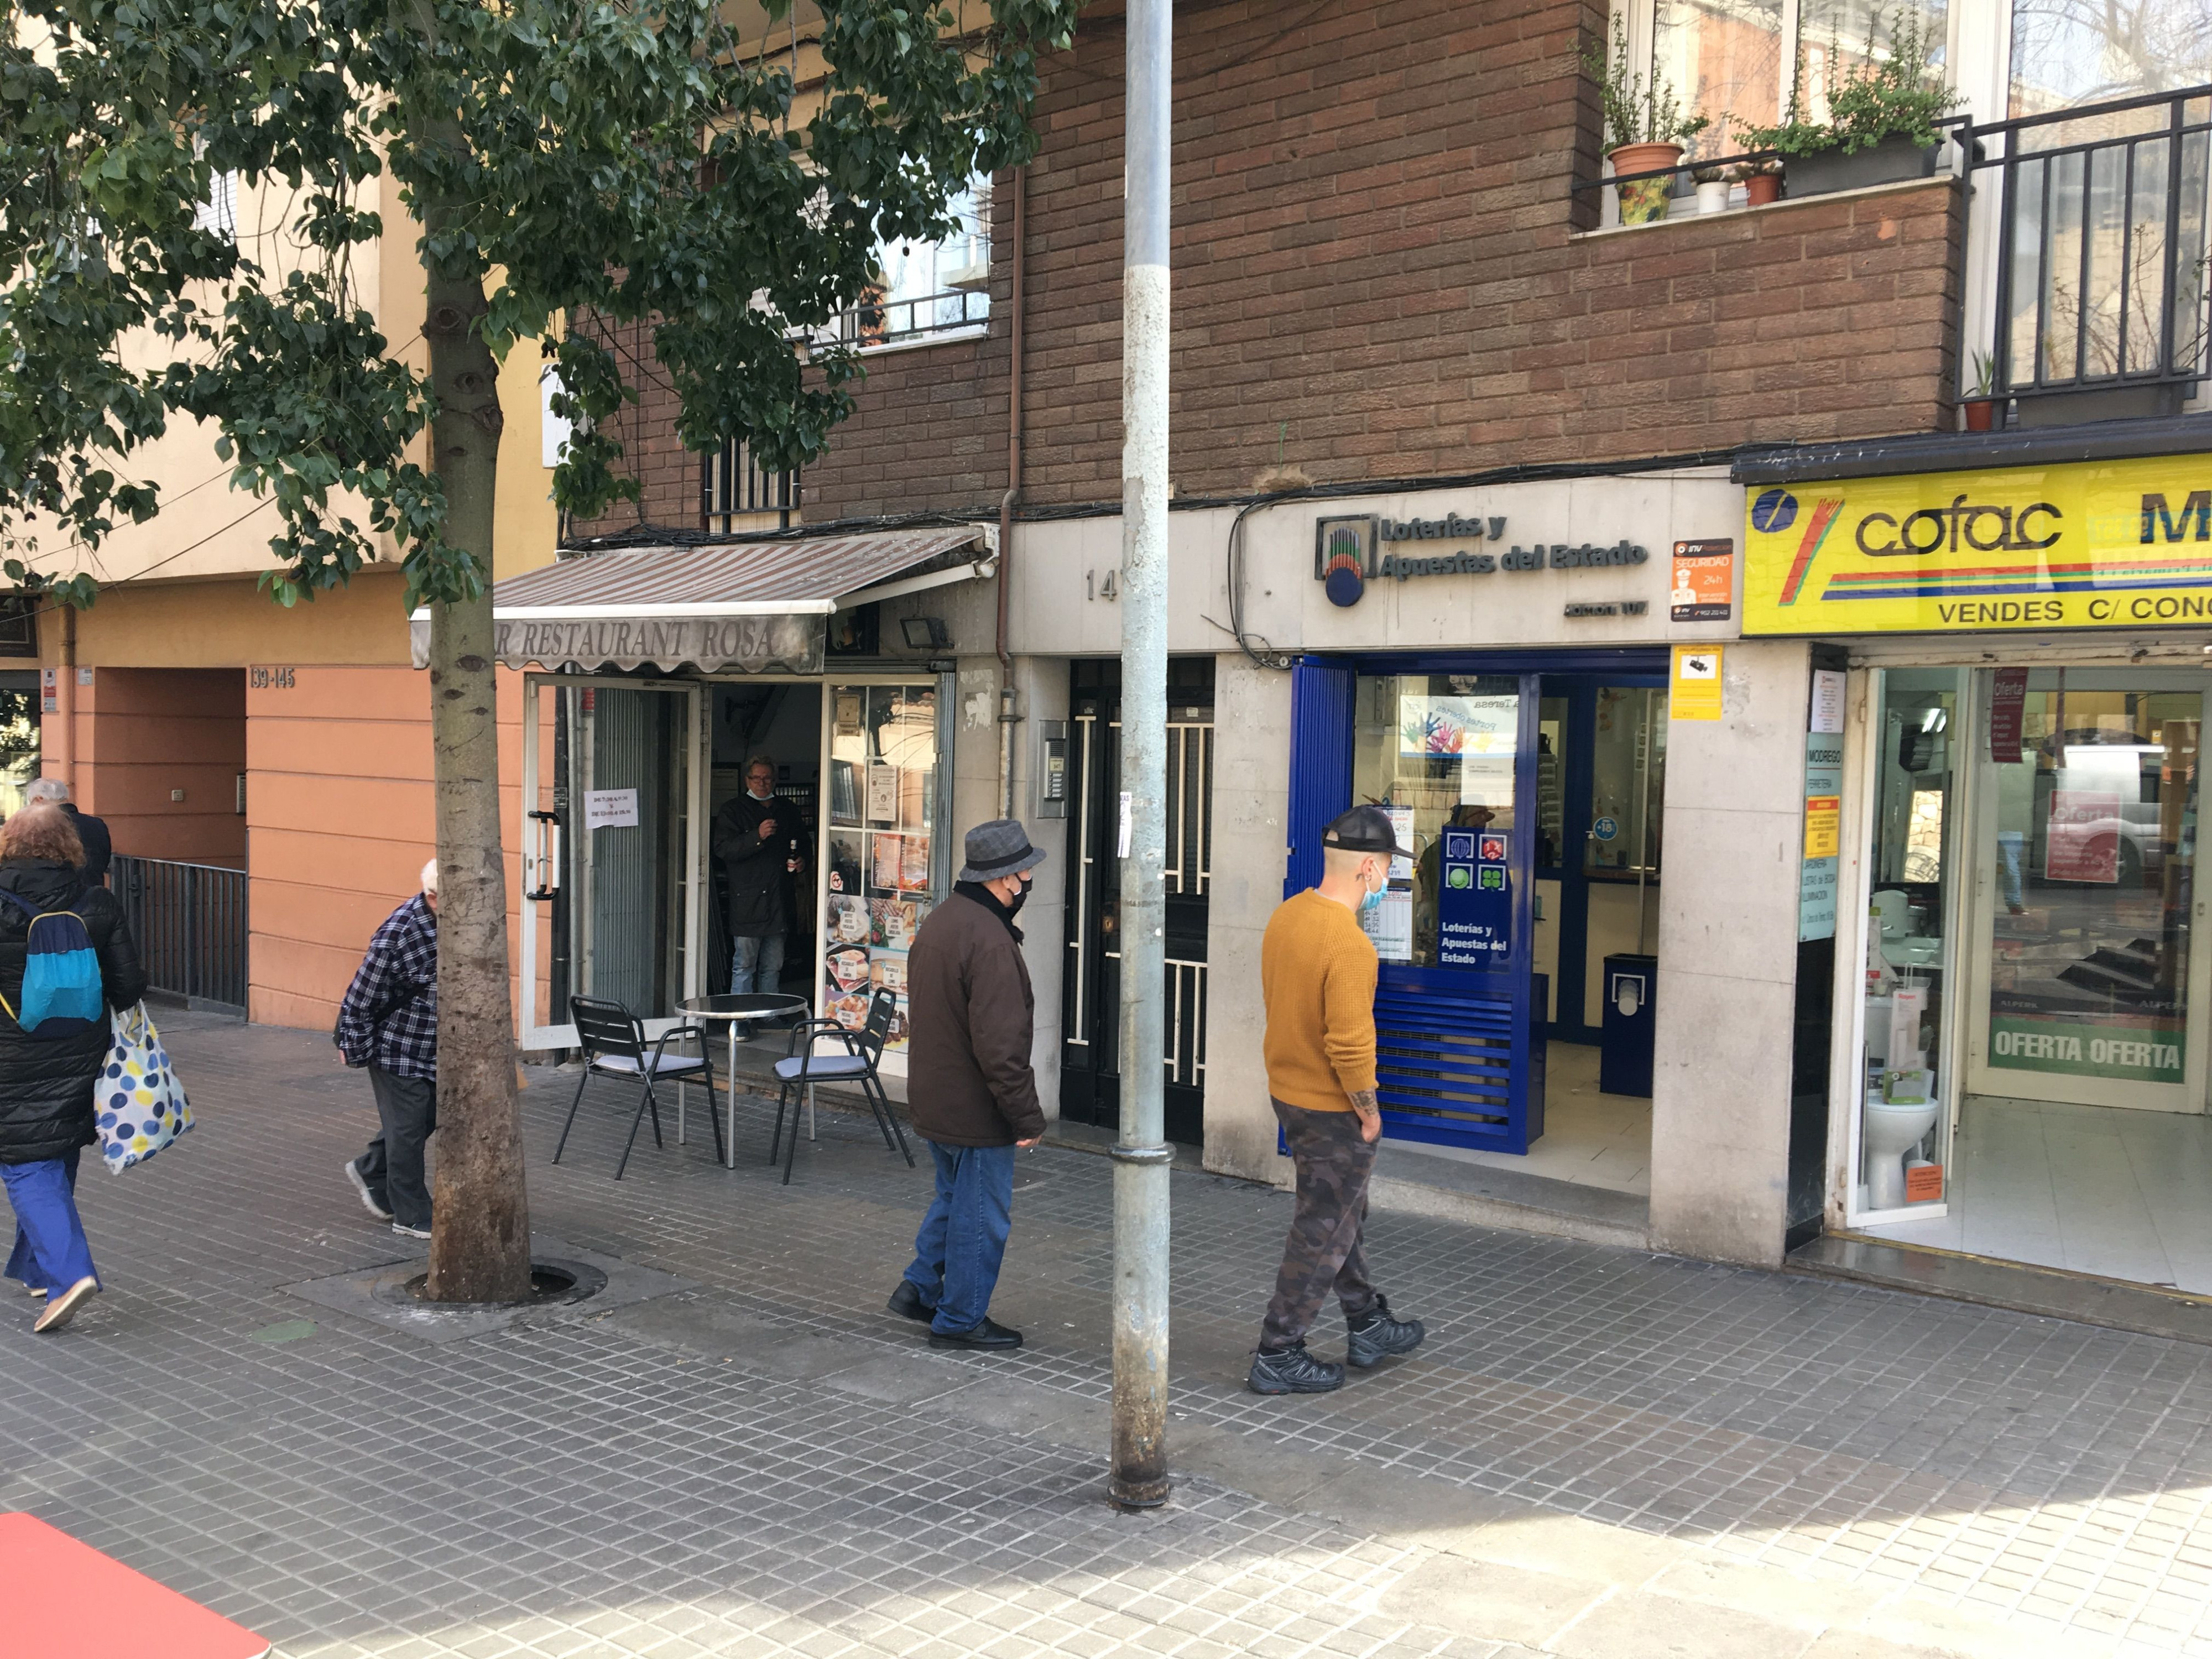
1021 898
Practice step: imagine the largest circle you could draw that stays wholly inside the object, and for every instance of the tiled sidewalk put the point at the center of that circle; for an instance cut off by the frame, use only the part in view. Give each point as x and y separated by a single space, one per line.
621 1484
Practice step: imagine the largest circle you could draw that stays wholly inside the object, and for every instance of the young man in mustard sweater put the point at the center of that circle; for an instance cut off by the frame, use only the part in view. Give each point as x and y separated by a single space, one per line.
1317 976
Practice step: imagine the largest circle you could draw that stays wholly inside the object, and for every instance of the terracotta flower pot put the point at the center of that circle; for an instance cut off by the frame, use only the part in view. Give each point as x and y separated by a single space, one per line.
1644 200
1761 188
1981 414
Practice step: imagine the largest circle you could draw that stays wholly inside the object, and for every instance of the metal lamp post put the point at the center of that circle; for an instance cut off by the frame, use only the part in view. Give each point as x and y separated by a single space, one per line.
1141 1155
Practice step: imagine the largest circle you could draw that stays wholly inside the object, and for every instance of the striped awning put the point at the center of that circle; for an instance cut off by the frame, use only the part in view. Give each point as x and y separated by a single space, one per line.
757 607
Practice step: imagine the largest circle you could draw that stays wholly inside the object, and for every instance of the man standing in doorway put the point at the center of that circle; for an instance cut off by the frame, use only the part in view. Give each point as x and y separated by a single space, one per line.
970 1087
756 837
388 1022
1317 978
99 850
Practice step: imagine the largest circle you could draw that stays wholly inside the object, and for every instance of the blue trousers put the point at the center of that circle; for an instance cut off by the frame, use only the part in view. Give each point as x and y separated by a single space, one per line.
51 1253
756 964
962 1239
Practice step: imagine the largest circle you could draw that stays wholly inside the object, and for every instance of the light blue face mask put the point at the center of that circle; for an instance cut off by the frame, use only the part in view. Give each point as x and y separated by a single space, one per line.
1369 901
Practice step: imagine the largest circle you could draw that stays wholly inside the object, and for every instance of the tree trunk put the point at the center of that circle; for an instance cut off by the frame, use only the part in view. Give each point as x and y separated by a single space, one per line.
480 1243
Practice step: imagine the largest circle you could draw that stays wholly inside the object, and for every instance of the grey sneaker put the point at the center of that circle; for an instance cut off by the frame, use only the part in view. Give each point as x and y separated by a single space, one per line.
1375 1335
361 1187
1292 1370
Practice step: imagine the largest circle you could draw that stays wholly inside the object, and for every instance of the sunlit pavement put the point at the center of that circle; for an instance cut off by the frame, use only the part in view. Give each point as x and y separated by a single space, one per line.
1599 1453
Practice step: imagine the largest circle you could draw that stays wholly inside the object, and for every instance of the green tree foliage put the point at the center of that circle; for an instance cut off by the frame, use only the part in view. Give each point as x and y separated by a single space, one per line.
636 161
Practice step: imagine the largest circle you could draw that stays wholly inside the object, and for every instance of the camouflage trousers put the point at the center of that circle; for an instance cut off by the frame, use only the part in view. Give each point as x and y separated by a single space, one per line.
1324 1249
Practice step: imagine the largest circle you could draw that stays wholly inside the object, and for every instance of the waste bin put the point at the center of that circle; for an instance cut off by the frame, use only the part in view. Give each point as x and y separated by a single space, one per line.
1624 1064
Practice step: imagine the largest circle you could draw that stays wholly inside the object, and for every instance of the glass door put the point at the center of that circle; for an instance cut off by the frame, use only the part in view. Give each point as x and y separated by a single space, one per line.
886 858
2089 986
611 838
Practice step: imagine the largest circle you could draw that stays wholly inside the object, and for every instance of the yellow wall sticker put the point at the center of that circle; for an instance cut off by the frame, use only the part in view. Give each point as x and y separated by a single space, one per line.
2085 544
1695 693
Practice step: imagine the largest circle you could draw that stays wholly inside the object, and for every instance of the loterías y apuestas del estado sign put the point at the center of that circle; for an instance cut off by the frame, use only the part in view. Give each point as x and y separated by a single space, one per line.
1349 552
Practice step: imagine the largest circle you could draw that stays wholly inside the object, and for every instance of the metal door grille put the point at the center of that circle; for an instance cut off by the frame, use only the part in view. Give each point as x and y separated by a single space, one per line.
189 921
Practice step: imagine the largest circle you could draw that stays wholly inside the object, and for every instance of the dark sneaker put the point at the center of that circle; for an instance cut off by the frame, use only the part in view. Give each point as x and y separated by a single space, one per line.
411 1232
986 1332
906 1301
1375 1335
369 1201
1292 1370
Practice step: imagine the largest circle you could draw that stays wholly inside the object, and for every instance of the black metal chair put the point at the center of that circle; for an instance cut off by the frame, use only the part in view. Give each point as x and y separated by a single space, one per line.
614 1044
797 1075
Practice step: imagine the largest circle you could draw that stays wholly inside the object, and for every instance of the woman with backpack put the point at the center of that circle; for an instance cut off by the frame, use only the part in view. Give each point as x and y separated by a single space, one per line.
46 1071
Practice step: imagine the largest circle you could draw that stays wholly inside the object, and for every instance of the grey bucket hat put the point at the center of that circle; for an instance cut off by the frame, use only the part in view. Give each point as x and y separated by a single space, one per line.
998 848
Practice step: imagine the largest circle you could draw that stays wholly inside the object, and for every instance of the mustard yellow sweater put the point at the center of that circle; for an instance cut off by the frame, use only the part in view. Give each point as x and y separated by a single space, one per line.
1317 975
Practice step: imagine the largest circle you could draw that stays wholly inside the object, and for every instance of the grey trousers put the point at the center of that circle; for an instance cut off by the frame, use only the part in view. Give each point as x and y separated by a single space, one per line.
407 1109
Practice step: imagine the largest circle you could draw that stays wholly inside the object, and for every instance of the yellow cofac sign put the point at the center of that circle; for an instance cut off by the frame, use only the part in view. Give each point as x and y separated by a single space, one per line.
2087 544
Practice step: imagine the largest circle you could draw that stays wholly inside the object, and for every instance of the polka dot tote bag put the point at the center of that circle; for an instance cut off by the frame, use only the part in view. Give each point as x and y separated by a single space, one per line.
138 1101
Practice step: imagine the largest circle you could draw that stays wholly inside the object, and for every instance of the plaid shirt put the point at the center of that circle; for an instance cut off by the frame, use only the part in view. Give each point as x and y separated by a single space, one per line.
389 1019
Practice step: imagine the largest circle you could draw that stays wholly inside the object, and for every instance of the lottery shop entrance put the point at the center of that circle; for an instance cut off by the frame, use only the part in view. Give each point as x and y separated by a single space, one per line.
1530 790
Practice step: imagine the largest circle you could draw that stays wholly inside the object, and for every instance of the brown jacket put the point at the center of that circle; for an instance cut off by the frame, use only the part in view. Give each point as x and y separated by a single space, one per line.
973 1015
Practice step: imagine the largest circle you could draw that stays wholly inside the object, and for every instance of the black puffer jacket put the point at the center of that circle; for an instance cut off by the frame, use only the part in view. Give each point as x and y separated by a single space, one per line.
45 1087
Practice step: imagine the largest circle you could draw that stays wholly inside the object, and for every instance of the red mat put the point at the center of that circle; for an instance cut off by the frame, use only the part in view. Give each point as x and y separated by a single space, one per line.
67 1600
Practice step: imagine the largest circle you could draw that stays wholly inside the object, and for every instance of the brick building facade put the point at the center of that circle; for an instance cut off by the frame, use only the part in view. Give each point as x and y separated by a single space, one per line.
1382 270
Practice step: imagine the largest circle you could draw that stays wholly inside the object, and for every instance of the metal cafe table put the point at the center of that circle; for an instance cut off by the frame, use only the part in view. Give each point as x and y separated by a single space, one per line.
748 1008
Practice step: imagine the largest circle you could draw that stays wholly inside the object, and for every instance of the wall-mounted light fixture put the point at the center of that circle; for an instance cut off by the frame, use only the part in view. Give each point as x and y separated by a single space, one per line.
924 632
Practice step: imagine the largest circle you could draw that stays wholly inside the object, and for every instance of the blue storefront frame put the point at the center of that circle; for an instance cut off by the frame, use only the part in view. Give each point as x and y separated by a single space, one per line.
1459 1052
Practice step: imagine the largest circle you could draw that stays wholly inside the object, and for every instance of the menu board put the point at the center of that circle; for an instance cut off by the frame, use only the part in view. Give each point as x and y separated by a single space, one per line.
883 842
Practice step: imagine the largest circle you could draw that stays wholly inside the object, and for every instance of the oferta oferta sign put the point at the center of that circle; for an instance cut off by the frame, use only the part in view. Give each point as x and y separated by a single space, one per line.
2088 544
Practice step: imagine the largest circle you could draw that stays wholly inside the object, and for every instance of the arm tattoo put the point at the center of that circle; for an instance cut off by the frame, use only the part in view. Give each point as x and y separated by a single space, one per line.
1363 1106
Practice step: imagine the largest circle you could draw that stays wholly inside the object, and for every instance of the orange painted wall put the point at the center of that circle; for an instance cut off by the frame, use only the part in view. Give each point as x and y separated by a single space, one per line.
144 732
339 809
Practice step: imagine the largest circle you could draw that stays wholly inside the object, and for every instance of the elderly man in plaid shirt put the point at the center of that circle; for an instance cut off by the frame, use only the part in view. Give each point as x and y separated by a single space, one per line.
389 1023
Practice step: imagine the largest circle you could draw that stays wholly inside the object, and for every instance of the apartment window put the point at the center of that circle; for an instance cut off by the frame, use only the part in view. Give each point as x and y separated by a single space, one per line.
927 291
219 213
2066 53
1733 61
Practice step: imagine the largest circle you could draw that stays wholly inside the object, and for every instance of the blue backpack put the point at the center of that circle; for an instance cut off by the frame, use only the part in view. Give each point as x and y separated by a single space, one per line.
62 993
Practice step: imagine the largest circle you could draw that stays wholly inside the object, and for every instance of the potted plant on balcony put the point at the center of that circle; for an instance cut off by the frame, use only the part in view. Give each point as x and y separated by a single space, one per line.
1713 184
1644 128
1761 179
1882 115
1979 406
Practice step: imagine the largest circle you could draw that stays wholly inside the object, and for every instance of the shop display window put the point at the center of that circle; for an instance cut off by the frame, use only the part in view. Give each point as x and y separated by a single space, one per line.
881 845
1437 752
2093 808
1921 757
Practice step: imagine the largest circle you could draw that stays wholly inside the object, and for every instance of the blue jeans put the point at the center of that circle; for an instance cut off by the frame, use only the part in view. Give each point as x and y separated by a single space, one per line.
51 1253
756 964
964 1237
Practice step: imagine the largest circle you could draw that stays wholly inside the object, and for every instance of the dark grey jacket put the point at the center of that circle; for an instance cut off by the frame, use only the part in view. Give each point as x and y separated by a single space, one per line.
973 1017
759 886
45 1085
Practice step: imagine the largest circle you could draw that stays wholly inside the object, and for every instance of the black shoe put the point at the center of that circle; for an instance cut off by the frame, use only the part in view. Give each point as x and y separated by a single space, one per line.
1375 1335
985 1332
906 1301
1292 1370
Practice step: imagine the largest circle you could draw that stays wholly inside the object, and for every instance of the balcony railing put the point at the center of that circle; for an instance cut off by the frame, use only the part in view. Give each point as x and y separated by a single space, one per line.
2099 253
732 487
883 322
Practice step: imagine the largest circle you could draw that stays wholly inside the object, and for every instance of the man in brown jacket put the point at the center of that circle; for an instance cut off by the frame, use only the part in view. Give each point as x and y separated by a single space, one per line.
970 1087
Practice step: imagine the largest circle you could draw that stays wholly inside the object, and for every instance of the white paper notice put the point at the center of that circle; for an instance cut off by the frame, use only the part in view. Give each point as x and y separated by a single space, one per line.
1827 700
1121 844
1402 831
882 794
611 809
1390 925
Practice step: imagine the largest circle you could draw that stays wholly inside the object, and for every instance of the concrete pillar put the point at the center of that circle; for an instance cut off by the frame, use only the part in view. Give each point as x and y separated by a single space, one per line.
1728 961
1251 800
